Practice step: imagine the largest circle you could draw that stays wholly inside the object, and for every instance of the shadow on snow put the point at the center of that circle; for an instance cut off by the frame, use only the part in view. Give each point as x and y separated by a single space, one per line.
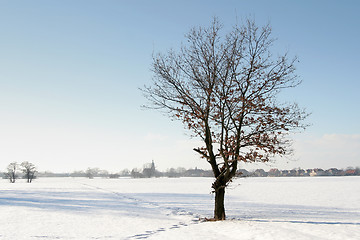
160 205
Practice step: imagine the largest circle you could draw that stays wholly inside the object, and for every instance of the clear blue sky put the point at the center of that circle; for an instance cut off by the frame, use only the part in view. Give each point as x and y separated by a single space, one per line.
70 73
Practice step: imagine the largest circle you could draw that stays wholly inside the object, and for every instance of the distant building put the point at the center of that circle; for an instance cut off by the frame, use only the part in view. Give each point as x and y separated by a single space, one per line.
149 170
285 173
317 172
301 172
274 172
259 173
350 172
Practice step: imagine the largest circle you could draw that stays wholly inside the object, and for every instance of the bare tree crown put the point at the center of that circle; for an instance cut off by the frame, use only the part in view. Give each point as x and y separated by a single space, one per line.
224 89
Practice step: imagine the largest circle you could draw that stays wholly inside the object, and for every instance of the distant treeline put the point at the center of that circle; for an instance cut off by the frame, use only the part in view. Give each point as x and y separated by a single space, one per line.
298 172
134 173
148 172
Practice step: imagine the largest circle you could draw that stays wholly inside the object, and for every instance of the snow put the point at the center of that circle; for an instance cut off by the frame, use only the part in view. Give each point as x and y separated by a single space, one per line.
163 208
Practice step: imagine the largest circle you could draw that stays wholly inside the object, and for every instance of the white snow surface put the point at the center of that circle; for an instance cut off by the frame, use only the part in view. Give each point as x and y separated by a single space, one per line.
163 208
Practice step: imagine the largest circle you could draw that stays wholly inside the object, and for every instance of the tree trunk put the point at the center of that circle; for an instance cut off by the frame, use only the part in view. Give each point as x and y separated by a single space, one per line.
219 213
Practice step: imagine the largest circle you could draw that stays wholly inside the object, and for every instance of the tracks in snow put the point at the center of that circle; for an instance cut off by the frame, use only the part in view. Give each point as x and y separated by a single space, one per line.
168 211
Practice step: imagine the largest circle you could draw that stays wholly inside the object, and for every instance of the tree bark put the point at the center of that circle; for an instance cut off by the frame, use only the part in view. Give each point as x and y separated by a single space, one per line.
219 213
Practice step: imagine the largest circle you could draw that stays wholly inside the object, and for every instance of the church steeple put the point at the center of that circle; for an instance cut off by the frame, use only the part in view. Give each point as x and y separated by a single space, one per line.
152 166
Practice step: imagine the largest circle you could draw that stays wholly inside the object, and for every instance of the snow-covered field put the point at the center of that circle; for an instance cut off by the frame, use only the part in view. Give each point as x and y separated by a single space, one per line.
257 208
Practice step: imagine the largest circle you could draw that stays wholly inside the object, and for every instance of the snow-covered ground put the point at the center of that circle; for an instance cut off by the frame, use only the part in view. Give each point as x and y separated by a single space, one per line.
257 208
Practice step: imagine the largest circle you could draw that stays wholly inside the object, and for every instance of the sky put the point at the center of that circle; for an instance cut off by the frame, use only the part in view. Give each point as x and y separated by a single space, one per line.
70 73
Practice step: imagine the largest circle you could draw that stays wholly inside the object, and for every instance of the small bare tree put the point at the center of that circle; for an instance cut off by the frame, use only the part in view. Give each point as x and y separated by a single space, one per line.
92 172
11 173
224 89
29 169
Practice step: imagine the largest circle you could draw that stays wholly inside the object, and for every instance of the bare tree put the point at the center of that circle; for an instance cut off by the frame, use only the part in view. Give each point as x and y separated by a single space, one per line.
224 89
11 173
92 172
29 169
